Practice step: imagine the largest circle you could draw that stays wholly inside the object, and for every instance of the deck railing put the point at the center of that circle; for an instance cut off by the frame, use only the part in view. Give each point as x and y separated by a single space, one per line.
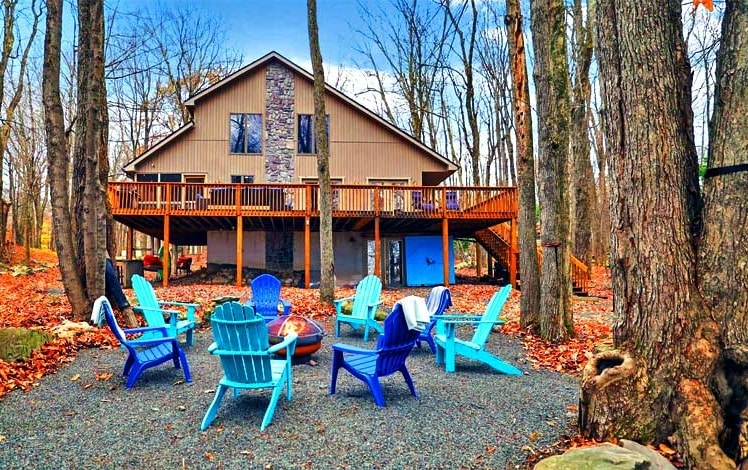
130 198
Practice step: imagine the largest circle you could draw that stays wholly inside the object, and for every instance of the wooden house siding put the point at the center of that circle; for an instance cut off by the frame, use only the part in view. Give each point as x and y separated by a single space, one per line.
204 149
360 147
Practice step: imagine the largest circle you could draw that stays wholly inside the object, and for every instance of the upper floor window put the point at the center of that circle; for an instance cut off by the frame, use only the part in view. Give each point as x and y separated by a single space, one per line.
242 179
307 137
246 133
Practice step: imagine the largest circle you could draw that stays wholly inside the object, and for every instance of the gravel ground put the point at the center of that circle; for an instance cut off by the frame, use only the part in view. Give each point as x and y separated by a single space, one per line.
474 418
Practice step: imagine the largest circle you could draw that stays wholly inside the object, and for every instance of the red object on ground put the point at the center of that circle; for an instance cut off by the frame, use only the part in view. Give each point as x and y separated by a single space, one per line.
152 261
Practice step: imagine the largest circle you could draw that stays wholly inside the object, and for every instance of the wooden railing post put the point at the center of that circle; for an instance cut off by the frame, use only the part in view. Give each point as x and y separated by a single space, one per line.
445 250
307 252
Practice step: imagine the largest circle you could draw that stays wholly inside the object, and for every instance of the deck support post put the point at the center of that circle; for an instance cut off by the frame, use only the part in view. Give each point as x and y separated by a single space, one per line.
129 242
307 252
445 250
239 249
377 248
165 261
513 251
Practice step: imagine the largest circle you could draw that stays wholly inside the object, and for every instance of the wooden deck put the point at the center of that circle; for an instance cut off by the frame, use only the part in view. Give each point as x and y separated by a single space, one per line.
194 209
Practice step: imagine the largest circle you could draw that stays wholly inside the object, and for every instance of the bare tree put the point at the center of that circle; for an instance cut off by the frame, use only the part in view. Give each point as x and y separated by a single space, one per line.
327 270
552 85
10 50
528 252
410 43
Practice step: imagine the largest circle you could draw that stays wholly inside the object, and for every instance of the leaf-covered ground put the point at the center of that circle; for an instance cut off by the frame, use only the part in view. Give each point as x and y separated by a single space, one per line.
37 300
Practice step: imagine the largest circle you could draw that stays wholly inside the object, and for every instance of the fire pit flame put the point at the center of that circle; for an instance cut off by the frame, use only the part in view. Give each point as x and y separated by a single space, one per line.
309 333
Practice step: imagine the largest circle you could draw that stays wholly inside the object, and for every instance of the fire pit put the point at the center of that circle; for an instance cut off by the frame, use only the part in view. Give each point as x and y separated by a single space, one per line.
309 333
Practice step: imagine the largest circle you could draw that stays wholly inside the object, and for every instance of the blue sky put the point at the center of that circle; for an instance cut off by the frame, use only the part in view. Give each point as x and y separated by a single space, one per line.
256 27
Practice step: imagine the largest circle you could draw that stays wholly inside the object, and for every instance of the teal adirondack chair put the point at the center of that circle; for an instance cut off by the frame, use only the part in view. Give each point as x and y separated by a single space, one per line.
241 342
153 310
365 304
448 346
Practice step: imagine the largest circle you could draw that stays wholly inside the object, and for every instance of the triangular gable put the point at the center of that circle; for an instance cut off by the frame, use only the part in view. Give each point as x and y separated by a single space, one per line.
129 167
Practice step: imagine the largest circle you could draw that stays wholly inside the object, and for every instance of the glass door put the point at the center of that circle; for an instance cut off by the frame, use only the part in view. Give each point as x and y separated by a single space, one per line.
393 260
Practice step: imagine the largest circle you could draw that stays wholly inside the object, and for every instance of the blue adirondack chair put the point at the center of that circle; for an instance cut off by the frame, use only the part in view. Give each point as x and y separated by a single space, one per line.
448 346
241 342
266 290
437 302
153 310
142 353
365 303
389 357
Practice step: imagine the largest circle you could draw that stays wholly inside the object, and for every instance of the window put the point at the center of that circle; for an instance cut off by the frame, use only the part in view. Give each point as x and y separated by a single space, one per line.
242 179
246 133
307 138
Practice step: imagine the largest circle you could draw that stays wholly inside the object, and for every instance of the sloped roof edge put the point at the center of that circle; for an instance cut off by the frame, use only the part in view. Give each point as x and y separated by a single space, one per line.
192 101
130 166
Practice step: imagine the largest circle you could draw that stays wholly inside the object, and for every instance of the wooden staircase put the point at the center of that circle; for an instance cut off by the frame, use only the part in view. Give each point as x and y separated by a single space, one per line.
496 241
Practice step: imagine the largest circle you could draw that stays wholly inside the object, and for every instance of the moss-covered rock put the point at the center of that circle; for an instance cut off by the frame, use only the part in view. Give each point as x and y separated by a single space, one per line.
347 307
17 344
380 315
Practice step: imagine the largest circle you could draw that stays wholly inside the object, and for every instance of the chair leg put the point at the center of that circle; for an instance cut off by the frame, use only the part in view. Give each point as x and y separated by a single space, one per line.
289 381
337 360
432 345
133 375
337 329
376 391
271 406
366 332
128 365
188 339
185 366
409 381
210 415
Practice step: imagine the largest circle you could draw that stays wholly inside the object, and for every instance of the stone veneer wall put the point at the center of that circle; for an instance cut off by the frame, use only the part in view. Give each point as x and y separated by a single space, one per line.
280 125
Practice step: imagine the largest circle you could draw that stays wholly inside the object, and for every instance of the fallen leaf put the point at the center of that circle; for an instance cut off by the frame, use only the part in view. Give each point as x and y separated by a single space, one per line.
665 449
75 377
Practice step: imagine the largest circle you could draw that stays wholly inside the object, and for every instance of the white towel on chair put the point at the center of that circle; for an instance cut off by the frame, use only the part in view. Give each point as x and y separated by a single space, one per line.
415 312
97 315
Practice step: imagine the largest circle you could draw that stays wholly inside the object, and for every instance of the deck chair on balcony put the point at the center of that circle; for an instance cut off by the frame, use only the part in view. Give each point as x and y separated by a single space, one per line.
241 342
266 299
450 202
437 302
365 304
448 346
153 310
143 352
368 365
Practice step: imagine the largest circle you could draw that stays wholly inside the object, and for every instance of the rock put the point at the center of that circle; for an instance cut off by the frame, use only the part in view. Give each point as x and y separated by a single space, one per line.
656 460
68 329
605 456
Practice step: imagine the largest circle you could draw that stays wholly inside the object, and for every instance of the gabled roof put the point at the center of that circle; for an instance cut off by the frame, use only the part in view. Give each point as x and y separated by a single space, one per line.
274 56
130 166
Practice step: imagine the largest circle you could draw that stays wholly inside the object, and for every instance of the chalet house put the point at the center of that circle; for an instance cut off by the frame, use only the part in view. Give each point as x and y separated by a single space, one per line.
241 178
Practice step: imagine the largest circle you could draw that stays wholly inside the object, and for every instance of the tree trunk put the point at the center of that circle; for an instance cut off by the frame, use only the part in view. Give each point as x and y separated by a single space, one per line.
723 258
89 148
327 269
583 198
57 158
528 253
661 321
552 84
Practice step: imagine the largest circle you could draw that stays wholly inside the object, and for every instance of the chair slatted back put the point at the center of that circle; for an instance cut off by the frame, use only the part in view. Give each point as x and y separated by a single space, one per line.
242 338
266 290
147 298
438 300
492 314
111 320
367 292
395 344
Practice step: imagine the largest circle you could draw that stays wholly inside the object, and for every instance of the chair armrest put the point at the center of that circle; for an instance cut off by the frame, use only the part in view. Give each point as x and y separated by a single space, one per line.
145 329
373 306
472 319
213 347
191 308
150 342
172 313
289 341
347 348
286 306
